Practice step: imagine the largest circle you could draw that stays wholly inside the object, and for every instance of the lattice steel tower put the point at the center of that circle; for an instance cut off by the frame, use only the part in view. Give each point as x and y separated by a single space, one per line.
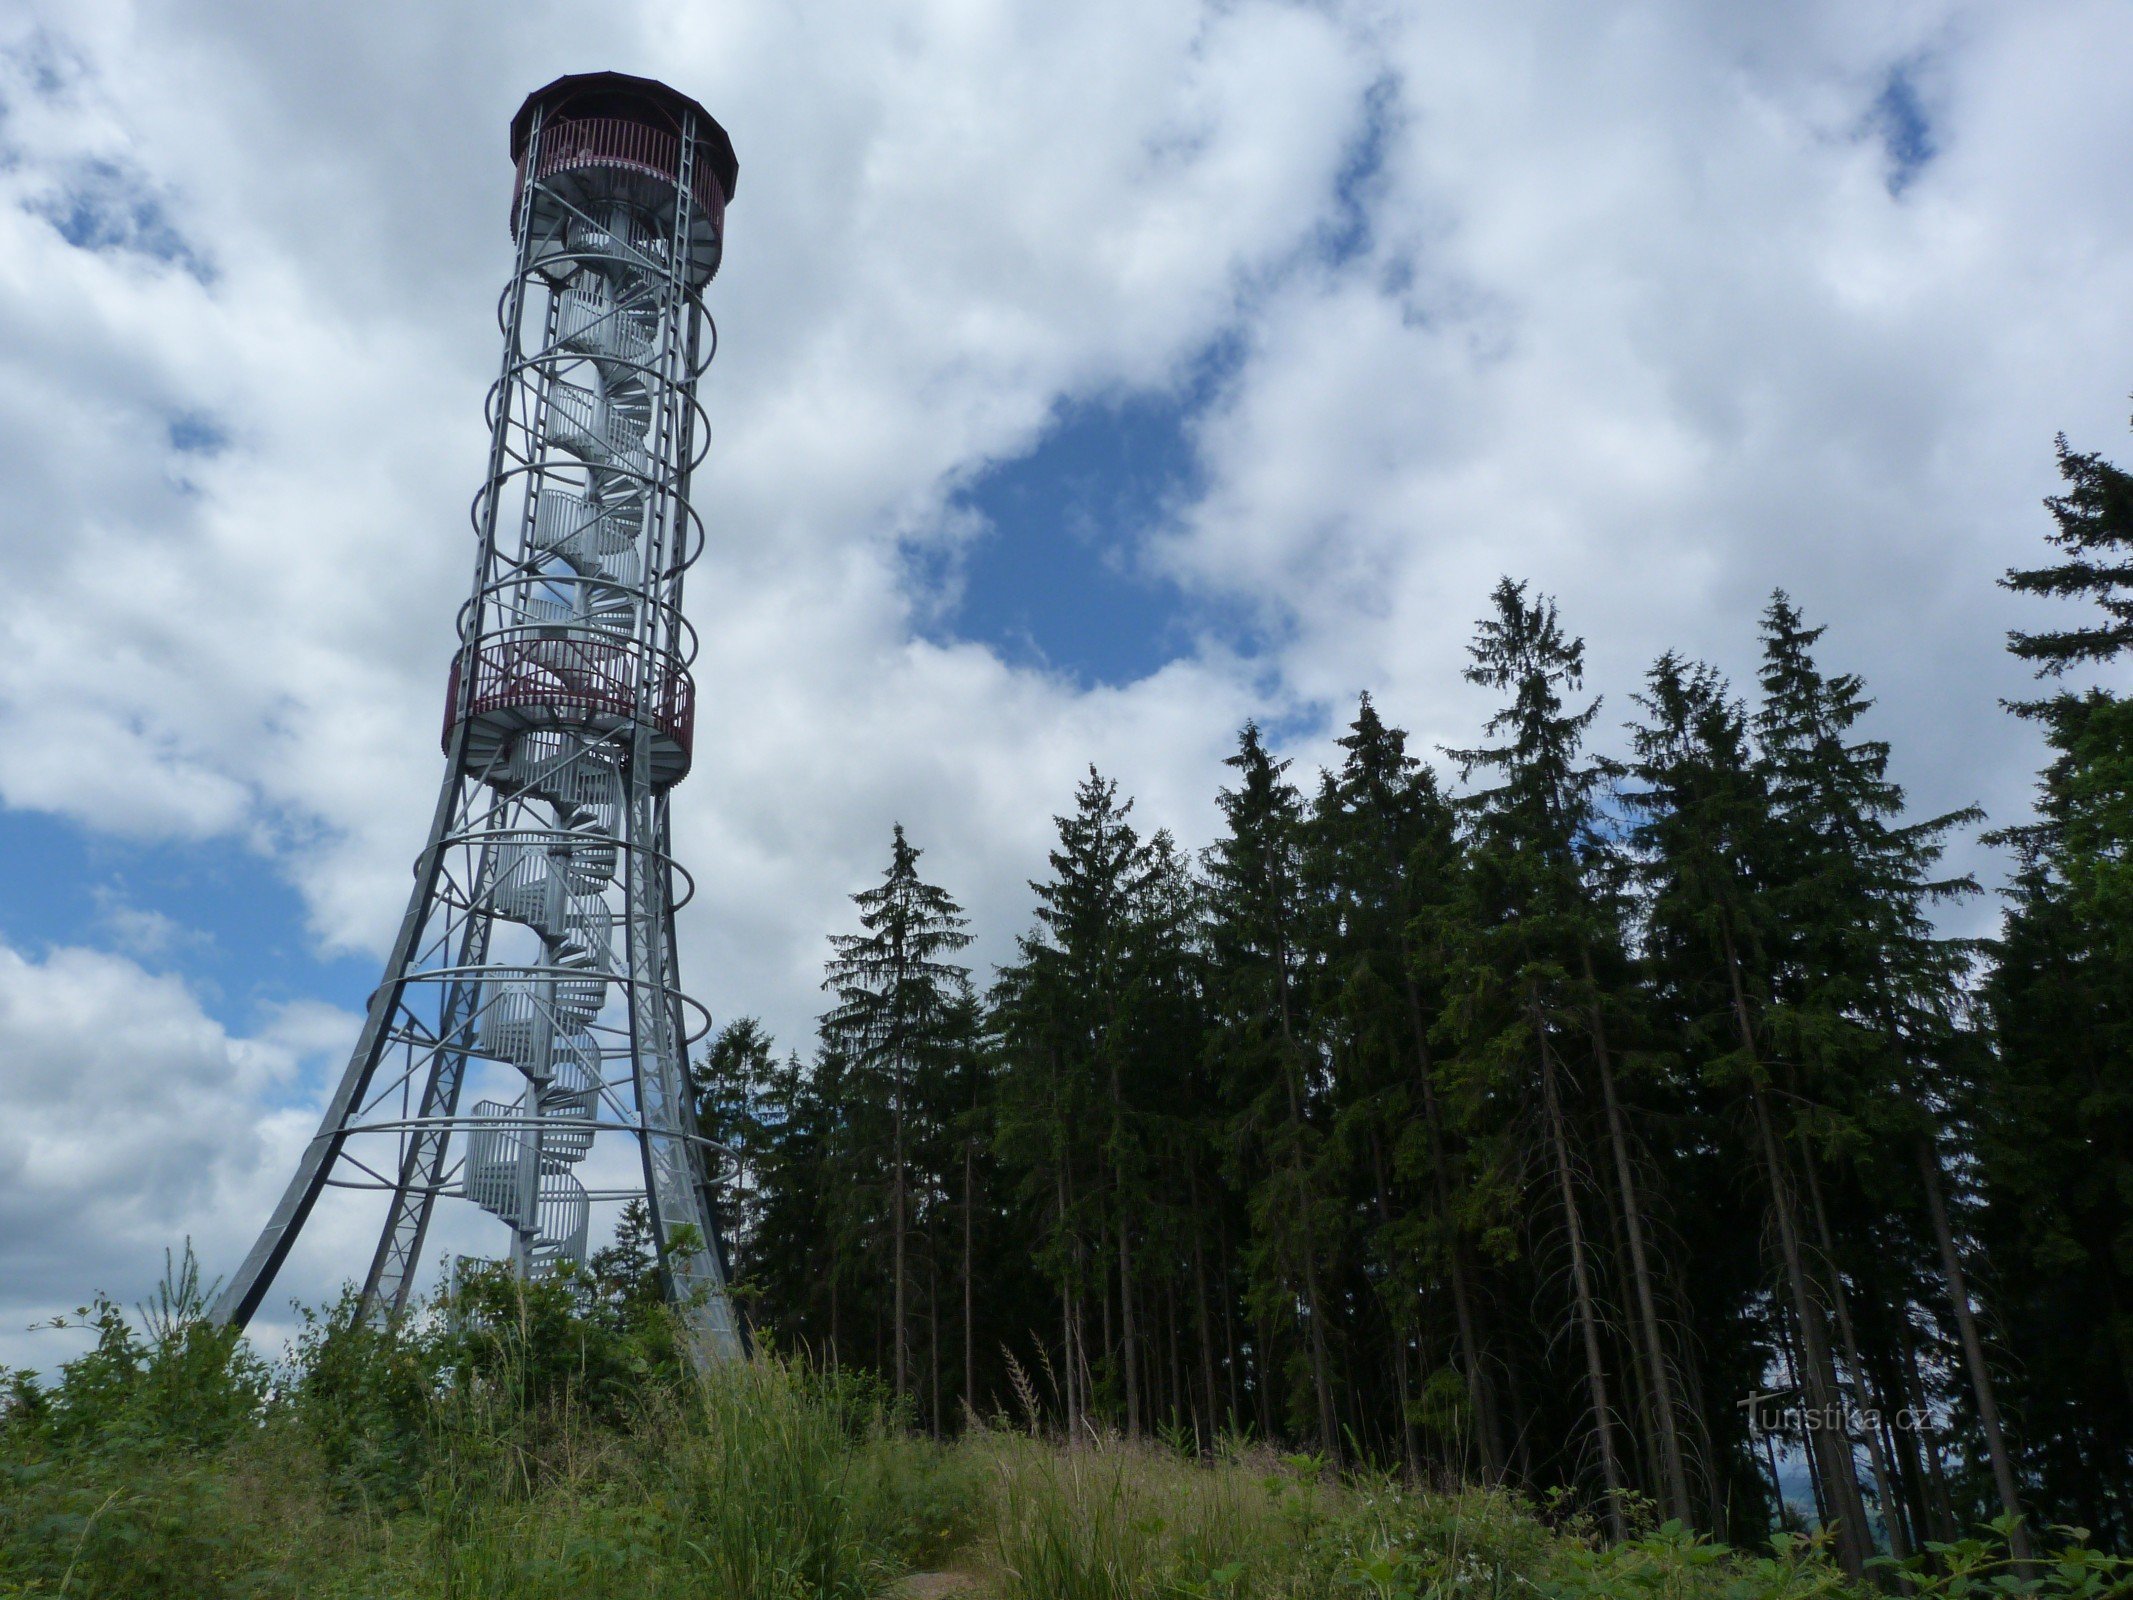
537 954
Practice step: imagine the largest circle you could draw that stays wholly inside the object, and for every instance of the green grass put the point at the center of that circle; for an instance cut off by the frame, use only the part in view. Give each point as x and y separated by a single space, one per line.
524 1448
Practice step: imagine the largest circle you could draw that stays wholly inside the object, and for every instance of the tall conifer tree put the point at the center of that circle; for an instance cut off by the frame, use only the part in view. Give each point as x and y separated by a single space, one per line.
899 1026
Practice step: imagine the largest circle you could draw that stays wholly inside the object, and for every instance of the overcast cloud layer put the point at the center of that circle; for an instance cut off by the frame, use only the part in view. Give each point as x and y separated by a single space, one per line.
1660 306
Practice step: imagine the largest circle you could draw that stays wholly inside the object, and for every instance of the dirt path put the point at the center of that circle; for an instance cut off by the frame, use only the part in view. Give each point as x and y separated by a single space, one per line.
934 1586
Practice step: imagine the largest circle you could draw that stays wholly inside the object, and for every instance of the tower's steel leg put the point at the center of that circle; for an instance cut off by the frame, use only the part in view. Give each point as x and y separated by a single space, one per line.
392 1270
249 1286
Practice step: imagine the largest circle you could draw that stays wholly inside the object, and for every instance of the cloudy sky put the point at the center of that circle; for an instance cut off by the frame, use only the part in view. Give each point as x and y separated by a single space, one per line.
1092 377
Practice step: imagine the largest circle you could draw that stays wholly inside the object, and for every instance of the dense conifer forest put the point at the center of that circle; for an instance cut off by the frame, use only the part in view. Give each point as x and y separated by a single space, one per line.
1522 1128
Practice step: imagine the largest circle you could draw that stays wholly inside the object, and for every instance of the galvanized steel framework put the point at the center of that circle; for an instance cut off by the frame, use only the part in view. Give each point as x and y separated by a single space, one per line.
538 945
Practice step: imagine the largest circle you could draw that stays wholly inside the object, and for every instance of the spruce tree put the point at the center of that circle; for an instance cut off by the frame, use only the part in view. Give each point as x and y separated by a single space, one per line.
1384 863
1098 1023
1870 1001
898 1027
2055 1115
728 1083
1275 1076
1523 991
1703 840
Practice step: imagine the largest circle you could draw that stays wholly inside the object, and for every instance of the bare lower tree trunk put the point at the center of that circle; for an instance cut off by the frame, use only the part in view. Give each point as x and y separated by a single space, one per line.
1321 1375
1884 1479
1941 1507
1797 1370
1103 1292
933 1328
1084 1375
1672 1471
1180 1394
970 1326
899 1337
1837 1473
1128 1351
1639 1444
1988 1410
1580 1277
1831 1445
1229 1326
1410 1454
1263 1368
1314 1308
1980 1375
1206 1321
1071 1397
1707 1479
1480 1394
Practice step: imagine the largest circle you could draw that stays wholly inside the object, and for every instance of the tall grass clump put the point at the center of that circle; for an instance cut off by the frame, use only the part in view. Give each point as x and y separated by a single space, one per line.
518 1440
1110 1519
1106 1519
548 1441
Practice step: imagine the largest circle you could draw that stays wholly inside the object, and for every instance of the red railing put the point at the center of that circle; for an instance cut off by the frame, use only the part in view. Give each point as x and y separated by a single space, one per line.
591 677
613 142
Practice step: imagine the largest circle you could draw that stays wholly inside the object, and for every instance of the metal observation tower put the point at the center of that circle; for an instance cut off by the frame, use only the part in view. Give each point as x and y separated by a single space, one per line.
535 966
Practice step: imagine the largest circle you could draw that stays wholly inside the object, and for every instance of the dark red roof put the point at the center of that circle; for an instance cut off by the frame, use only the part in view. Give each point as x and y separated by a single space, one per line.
646 100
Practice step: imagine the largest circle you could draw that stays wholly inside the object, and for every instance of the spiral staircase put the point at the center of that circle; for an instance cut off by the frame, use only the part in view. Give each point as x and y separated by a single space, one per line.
571 617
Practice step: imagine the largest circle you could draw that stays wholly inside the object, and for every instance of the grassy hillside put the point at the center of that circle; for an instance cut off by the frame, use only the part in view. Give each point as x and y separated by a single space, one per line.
524 1448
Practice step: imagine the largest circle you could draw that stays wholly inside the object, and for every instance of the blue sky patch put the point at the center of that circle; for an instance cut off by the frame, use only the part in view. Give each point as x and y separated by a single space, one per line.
218 916
1058 577
196 433
106 208
1347 233
1899 119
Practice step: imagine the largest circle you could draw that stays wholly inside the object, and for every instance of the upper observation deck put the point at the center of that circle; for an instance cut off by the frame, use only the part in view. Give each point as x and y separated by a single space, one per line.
601 134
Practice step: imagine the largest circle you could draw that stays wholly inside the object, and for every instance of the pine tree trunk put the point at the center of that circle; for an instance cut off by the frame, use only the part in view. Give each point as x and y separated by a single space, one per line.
1639 1444
1903 1445
1707 1479
896 1182
1837 1472
1178 1397
1668 1420
1103 1298
1941 1508
1321 1377
1066 1310
1206 1320
1796 1369
1085 1376
1410 1454
970 1347
1264 1366
1988 1410
1128 1352
1877 1458
1480 1393
1229 1324
1580 1276
1314 1309
933 1327
1980 1375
